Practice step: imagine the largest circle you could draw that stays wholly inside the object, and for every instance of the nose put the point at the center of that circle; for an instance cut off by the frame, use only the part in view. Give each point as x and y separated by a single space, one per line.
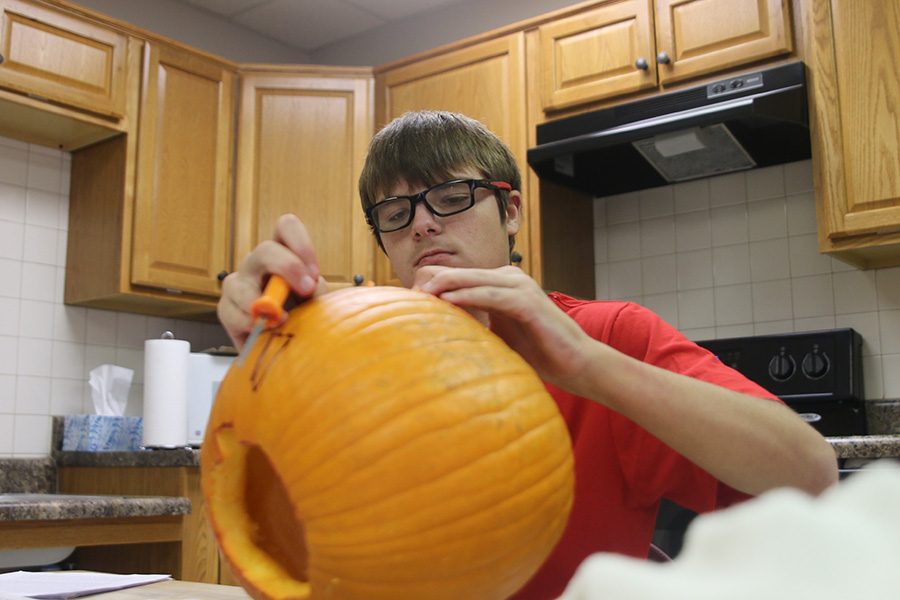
424 222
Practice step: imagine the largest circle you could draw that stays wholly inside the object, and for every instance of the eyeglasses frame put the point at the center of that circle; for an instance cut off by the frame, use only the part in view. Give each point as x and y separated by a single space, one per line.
420 198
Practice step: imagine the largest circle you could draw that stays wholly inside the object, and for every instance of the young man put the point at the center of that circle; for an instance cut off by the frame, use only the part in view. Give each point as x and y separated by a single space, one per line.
650 413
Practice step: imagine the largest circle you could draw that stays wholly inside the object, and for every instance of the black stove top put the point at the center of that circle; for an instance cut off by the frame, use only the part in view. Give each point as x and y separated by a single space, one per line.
817 373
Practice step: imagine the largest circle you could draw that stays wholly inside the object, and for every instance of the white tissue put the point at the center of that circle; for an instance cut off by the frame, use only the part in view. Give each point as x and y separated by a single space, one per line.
109 389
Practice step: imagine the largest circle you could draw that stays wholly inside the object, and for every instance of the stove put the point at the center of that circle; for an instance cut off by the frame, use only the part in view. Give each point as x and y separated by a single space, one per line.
816 373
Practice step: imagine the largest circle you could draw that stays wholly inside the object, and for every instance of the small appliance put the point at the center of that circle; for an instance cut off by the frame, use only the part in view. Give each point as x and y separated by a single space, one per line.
205 373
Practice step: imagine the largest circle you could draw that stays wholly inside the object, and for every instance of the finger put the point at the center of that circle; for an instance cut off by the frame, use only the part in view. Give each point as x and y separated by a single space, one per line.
272 257
454 278
290 231
233 308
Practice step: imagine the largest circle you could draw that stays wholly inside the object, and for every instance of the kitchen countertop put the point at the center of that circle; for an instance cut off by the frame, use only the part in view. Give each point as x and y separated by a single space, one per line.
53 507
866 446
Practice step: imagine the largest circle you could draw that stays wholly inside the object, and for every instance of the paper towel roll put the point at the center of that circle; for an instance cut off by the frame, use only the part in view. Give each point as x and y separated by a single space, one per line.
165 393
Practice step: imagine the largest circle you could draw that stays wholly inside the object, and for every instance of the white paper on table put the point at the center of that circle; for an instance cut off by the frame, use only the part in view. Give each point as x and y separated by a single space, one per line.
69 584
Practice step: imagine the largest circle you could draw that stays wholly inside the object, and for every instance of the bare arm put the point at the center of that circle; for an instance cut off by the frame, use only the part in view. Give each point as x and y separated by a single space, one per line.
748 443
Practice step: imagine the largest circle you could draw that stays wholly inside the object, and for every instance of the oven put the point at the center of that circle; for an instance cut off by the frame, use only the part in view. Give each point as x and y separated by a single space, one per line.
816 373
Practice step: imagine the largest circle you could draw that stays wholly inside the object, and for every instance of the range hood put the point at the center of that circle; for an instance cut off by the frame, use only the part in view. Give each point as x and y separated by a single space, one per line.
752 120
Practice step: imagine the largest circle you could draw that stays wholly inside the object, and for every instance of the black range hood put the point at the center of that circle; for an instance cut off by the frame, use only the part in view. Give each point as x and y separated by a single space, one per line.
752 120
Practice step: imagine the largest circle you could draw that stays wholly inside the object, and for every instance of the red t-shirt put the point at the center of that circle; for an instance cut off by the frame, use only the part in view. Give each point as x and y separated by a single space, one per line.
621 470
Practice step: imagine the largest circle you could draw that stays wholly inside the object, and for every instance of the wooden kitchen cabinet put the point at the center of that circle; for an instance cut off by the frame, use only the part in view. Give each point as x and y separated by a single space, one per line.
63 76
62 57
302 139
182 235
485 81
193 556
149 227
619 48
851 52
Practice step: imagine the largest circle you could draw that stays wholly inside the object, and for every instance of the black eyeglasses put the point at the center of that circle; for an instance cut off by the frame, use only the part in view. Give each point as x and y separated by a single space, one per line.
442 200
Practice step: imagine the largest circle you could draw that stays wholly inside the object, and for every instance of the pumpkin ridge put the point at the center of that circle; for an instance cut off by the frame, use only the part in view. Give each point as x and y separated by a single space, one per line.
423 406
393 497
377 406
385 413
552 497
546 503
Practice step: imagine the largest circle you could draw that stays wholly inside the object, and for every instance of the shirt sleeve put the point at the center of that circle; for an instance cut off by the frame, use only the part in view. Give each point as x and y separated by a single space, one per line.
652 468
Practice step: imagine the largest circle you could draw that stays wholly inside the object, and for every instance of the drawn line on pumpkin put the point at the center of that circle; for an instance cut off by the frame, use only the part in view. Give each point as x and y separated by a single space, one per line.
334 446
361 474
264 361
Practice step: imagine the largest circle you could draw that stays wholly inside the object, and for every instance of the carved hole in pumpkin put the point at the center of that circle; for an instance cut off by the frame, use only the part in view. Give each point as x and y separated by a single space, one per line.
274 528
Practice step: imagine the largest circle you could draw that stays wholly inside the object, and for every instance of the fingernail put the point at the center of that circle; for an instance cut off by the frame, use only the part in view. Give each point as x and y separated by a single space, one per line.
307 285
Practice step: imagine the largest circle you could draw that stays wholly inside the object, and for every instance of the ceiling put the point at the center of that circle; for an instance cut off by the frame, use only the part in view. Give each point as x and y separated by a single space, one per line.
312 24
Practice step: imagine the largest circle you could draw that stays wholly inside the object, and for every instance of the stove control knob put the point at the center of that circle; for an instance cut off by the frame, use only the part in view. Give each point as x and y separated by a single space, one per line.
816 363
782 366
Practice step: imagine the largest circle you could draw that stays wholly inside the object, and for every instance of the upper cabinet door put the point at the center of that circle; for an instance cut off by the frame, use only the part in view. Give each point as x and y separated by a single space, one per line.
860 123
485 81
182 202
302 144
696 37
62 57
605 52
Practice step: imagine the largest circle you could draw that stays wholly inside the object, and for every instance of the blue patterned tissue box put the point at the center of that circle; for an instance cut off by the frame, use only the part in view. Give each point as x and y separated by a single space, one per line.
97 433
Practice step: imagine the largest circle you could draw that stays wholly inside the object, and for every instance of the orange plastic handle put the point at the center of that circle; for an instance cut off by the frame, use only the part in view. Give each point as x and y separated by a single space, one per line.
270 306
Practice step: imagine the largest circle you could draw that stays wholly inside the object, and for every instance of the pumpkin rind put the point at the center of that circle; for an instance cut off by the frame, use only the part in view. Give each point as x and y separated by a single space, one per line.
423 457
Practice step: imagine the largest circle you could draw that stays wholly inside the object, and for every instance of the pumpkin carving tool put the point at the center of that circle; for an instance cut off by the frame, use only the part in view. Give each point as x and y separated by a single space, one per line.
267 312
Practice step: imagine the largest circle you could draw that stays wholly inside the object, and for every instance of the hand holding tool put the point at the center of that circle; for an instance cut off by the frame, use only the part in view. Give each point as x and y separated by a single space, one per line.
267 312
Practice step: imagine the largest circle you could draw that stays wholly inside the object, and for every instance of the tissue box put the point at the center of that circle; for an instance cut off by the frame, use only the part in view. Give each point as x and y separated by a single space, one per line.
94 433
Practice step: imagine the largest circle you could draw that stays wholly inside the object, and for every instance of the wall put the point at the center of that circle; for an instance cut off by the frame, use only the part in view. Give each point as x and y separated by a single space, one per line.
198 28
393 41
47 349
737 255
428 30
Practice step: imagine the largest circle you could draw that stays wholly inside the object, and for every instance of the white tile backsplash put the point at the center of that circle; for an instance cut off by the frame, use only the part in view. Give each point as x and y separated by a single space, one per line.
744 260
47 348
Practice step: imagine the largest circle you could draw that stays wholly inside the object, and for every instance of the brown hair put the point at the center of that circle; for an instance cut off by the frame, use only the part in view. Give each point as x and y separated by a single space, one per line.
425 147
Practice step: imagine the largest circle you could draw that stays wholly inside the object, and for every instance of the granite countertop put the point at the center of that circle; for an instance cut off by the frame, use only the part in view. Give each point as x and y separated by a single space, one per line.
863 446
866 446
52 507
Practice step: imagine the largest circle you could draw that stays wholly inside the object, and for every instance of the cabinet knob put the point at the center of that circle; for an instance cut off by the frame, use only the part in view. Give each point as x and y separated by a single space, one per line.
222 275
663 58
642 64
515 258
1 59
358 279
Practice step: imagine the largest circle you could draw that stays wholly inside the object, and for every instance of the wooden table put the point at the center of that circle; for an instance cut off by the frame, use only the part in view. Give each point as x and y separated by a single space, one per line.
176 590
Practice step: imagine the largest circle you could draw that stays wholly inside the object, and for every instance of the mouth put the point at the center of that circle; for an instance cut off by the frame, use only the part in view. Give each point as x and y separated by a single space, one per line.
433 257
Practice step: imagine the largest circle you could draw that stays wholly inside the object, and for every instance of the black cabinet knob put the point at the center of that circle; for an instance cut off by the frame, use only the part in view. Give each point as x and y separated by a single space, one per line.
663 58
642 64
358 279
515 258
222 275
1 59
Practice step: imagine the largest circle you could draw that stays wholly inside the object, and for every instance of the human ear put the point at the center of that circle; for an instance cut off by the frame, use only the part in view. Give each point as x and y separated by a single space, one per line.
513 212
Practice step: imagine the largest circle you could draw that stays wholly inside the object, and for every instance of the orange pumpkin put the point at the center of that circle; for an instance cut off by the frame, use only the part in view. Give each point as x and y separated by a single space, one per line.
383 444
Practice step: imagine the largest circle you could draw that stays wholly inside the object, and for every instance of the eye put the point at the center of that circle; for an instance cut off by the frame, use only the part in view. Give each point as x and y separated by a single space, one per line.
454 200
393 212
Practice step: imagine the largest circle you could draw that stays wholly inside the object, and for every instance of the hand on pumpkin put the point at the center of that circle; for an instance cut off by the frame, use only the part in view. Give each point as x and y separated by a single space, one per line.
520 313
290 254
